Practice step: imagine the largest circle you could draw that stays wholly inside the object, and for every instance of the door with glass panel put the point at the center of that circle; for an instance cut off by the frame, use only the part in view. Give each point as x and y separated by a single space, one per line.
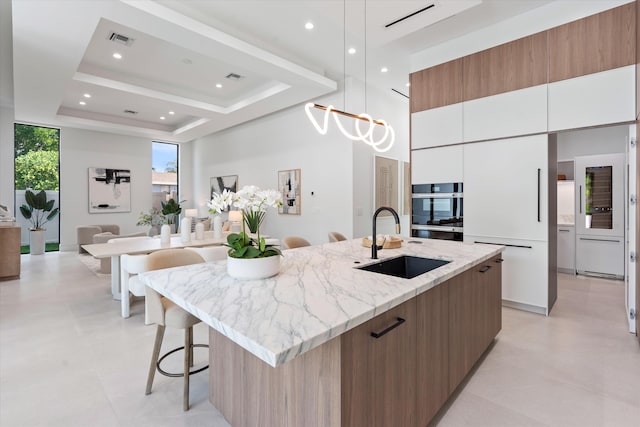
600 225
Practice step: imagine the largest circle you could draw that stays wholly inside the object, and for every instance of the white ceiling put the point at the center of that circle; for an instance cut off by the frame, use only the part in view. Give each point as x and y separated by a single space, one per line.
182 49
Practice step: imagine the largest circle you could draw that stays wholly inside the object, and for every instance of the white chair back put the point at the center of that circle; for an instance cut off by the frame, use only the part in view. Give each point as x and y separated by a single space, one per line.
211 253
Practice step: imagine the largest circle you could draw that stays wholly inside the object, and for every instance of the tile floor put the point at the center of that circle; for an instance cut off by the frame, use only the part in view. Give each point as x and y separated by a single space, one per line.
68 359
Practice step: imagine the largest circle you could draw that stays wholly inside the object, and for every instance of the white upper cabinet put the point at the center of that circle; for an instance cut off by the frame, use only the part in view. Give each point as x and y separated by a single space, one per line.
437 126
506 188
520 112
594 99
437 165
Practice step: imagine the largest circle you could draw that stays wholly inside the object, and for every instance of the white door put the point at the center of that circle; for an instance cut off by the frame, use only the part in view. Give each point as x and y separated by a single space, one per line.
505 188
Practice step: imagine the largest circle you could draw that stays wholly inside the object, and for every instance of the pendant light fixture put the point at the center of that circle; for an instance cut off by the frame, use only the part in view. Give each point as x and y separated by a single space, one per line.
380 145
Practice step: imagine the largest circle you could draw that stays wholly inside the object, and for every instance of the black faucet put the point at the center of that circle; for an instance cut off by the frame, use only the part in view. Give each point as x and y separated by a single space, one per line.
374 244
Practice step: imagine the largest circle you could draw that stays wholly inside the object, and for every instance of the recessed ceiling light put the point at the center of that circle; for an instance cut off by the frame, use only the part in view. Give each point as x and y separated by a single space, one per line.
171 112
218 85
352 50
86 95
82 103
117 55
309 25
162 117
384 70
408 84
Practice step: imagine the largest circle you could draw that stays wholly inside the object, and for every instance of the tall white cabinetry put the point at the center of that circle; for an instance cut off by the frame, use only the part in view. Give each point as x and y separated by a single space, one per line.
508 200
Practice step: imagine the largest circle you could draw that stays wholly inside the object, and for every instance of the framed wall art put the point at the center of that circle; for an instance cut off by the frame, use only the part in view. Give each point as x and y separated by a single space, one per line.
109 190
289 186
220 183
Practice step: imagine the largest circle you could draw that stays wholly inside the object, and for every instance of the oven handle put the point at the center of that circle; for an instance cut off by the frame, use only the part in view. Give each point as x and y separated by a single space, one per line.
436 228
436 195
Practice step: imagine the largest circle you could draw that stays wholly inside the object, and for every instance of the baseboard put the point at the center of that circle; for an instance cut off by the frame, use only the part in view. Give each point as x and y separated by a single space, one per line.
524 307
567 271
601 275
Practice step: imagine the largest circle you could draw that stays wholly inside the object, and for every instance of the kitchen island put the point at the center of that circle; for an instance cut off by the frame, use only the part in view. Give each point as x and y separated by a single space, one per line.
297 350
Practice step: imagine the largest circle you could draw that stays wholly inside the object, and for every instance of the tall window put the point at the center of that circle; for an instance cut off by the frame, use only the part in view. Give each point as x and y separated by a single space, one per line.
37 167
164 172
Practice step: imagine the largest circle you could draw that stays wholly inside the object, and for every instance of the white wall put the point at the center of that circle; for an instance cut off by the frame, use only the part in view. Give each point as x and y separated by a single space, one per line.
81 149
587 142
338 171
6 106
395 110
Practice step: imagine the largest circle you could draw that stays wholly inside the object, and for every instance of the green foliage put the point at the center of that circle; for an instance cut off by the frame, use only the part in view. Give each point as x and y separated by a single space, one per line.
243 246
34 138
38 209
171 210
37 170
36 151
253 219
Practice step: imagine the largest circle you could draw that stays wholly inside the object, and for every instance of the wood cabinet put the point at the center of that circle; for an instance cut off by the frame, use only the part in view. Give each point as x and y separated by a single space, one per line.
511 66
9 253
593 44
379 386
423 350
436 86
433 352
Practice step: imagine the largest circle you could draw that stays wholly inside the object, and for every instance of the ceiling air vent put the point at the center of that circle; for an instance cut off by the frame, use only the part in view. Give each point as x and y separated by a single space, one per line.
233 76
130 112
120 39
397 21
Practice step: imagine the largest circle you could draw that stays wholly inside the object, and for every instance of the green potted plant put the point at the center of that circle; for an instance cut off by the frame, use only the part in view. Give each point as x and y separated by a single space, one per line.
171 211
152 218
38 211
249 257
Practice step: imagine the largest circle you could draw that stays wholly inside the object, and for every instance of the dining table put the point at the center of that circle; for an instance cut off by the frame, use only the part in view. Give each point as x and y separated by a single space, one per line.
118 247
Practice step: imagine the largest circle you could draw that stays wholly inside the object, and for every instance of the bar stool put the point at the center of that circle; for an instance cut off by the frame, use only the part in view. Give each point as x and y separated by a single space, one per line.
165 313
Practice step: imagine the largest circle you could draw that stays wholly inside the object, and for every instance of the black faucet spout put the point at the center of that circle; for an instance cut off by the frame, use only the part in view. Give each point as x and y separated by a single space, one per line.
374 243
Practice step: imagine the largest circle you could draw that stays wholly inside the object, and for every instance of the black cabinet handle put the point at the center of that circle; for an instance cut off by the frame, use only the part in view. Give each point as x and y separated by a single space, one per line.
539 170
499 260
580 196
399 321
485 269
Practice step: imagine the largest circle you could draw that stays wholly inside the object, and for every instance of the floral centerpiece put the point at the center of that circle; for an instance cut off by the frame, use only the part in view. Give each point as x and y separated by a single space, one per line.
253 203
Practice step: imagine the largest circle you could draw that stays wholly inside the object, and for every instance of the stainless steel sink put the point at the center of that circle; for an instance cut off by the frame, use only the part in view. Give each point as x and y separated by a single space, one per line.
404 266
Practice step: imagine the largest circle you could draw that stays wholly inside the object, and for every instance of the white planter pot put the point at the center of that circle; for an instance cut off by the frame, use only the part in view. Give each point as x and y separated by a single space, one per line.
253 268
36 242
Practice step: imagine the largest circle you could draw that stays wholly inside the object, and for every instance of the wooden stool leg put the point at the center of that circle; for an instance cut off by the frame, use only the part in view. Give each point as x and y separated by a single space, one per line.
191 351
154 357
188 348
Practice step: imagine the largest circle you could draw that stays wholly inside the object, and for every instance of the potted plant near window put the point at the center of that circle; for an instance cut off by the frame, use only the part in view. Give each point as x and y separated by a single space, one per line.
154 219
171 211
249 257
38 211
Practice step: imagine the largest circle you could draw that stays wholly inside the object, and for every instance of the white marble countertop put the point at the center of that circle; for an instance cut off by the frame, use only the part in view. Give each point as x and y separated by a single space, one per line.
317 295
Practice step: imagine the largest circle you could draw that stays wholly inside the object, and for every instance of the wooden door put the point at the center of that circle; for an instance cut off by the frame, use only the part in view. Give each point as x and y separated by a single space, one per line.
379 373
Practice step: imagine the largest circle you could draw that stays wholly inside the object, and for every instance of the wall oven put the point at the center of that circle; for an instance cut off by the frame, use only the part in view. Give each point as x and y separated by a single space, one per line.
437 211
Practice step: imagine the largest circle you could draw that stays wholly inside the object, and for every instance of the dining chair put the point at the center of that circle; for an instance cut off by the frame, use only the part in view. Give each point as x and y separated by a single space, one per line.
164 313
334 236
292 242
210 253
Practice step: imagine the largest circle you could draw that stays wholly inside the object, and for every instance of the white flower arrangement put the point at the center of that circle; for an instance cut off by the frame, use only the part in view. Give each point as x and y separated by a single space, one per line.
253 202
